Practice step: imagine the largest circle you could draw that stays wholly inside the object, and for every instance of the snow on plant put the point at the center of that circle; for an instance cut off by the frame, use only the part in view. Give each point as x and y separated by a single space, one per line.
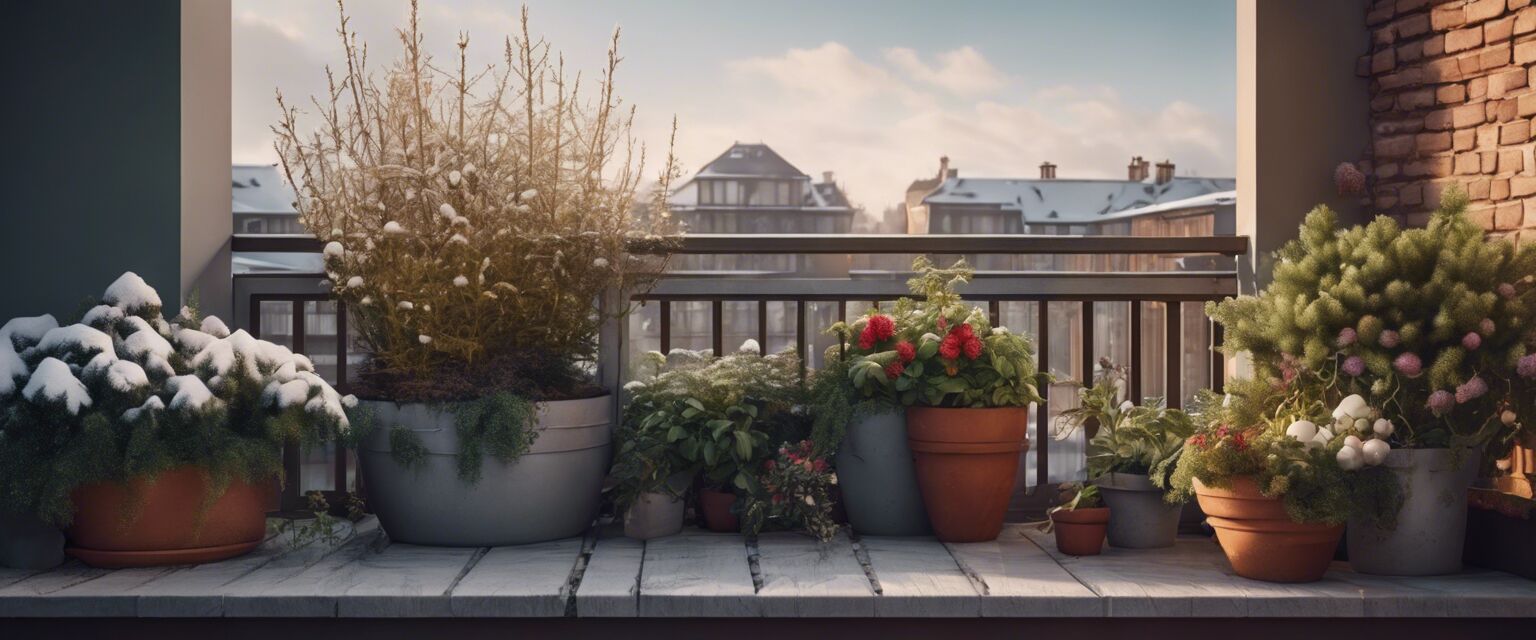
474 219
126 393
1430 326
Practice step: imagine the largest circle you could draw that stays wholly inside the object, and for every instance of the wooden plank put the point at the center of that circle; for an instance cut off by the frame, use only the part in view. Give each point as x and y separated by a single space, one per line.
21 596
105 596
403 581
1193 579
610 587
265 592
803 577
918 579
518 582
1473 592
9 576
1017 579
697 574
199 591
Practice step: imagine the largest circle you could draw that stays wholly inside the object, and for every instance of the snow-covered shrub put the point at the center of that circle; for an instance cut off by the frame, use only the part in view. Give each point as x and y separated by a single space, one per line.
473 222
125 393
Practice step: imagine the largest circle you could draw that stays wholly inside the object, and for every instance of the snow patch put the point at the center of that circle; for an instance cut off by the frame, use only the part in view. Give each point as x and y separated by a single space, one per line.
193 341
53 382
126 376
102 316
215 327
24 332
144 344
154 403
292 393
130 293
12 368
190 392
75 337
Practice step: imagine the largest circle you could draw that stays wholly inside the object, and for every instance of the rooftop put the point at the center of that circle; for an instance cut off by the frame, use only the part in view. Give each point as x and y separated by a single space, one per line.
260 188
750 160
1072 201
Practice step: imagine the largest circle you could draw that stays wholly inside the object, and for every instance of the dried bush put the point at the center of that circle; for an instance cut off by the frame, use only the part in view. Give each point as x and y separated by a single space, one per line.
474 218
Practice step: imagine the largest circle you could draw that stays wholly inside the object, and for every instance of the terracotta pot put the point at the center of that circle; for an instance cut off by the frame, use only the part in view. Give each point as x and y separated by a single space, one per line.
1080 532
1260 540
966 462
163 521
715 505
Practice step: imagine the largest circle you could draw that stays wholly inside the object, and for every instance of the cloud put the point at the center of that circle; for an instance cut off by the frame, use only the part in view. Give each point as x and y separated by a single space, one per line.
963 71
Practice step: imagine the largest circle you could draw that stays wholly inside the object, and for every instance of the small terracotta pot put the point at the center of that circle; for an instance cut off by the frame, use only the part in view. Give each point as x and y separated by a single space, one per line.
162 521
1080 532
1260 540
716 508
966 461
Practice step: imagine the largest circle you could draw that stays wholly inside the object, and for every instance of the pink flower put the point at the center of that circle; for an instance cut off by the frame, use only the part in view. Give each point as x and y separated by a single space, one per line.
1354 366
1526 367
1441 402
1471 341
1409 365
1471 390
1389 339
1507 290
1486 327
1346 337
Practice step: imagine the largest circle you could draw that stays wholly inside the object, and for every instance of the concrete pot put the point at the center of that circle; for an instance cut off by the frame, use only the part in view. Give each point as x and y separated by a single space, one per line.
878 482
551 492
28 543
654 515
1139 517
1432 525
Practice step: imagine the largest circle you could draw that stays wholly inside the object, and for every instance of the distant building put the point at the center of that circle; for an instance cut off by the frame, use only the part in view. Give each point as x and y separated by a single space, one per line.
263 201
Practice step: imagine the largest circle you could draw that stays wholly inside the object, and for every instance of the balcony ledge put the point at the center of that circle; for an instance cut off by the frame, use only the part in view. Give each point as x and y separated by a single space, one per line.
699 574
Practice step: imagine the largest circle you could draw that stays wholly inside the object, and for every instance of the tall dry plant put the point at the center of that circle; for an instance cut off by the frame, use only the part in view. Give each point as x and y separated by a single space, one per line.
475 219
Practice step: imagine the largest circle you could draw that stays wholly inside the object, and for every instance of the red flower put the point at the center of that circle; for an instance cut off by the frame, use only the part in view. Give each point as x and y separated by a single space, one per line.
820 465
878 329
1198 440
943 324
1240 442
949 349
905 351
964 330
768 465
894 369
972 347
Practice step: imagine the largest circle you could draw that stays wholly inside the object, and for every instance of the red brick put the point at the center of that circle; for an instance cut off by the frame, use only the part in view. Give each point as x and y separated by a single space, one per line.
1527 104
1382 12
1438 120
1513 5
1511 161
1434 45
1416 25
1522 186
1470 65
1463 39
1499 189
1436 167
1463 140
1384 61
1478 189
1411 194
1443 18
1428 143
1388 170
1488 136
1384 36
1412 100
1394 147
1505 81
1407 77
1525 52
1480 10
1468 115
1451 93
1467 163
1410 53
1525 21
1508 216
1499 30
1515 132
1489 160
1493 57
1383 102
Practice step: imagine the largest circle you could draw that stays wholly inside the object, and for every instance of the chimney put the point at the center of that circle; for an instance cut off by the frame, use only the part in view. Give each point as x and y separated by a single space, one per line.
1047 171
826 177
1164 172
1137 170
944 168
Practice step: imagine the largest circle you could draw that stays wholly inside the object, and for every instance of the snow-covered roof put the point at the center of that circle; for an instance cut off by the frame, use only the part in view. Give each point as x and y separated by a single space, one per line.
271 262
750 160
1071 201
1205 201
259 188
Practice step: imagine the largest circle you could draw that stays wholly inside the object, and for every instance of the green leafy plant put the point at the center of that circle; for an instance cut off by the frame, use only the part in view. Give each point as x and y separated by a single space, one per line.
1144 439
936 350
794 492
1077 495
322 526
127 393
1431 326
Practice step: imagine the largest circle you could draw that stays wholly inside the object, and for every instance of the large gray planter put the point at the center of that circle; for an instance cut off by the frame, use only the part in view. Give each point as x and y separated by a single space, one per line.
1139 517
1432 525
551 492
29 543
879 484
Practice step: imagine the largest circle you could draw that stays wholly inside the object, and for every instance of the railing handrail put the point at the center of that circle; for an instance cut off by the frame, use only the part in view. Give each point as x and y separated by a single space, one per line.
775 243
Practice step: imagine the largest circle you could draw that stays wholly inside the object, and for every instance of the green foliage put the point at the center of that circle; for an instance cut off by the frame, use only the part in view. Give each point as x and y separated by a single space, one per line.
406 448
148 396
1446 296
1079 496
322 526
500 424
835 403
1145 439
793 493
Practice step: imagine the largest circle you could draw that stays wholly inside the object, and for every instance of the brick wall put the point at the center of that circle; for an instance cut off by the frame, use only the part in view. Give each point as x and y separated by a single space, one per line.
1453 93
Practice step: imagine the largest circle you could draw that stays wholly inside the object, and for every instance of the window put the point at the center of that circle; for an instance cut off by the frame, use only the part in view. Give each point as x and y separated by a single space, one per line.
254 225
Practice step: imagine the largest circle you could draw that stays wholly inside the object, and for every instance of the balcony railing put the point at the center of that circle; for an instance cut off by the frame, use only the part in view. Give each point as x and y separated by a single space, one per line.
1086 306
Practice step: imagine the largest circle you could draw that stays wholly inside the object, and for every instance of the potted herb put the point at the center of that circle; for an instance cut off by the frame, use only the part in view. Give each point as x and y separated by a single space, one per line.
1131 454
864 425
714 418
794 493
473 222
1277 495
1428 327
152 442
967 387
1081 520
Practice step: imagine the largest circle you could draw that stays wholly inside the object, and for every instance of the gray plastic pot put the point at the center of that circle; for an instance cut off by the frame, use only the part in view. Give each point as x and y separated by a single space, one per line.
879 484
551 492
28 543
658 514
1432 525
1139 518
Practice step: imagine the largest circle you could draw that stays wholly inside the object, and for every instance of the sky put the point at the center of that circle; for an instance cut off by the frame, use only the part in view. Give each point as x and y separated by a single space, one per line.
875 91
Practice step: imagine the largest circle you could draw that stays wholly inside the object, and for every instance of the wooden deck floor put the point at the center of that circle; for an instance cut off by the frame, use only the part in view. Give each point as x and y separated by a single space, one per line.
700 574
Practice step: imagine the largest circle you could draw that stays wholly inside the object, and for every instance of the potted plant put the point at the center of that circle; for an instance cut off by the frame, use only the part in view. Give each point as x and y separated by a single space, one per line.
1131 453
473 222
713 417
152 442
1080 521
794 493
864 426
650 482
967 387
1430 328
